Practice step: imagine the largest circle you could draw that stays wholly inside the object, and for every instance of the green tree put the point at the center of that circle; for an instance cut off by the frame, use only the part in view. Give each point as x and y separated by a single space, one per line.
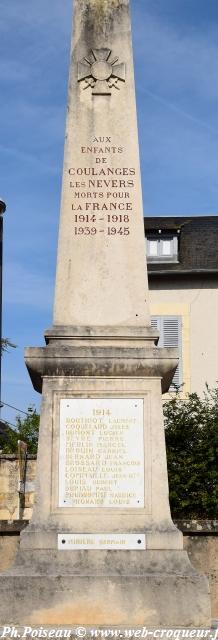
191 430
26 429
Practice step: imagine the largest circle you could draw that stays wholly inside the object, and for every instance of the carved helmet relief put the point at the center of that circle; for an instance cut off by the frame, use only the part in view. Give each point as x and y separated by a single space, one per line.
100 71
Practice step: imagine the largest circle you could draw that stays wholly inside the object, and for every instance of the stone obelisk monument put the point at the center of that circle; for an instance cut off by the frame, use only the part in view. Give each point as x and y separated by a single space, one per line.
101 548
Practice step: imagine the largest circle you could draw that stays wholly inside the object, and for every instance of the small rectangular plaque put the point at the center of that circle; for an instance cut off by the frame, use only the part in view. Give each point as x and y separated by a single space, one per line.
101 456
67 541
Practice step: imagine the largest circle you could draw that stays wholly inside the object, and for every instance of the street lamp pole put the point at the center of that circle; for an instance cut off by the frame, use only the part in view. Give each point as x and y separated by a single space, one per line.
2 211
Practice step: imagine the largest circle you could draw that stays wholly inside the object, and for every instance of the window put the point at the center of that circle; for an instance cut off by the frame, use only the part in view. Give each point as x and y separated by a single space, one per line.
162 248
170 330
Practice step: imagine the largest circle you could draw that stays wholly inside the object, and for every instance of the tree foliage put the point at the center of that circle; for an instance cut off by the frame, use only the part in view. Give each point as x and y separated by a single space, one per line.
191 429
5 345
26 429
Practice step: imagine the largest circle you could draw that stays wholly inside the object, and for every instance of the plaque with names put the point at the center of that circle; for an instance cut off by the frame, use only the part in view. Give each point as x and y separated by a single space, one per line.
101 454
122 541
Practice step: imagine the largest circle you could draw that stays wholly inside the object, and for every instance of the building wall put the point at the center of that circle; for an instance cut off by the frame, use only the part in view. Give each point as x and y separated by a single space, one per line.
196 300
15 506
203 554
8 547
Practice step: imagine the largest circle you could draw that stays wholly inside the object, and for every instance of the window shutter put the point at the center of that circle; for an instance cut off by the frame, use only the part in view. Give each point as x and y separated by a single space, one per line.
172 338
154 322
170 328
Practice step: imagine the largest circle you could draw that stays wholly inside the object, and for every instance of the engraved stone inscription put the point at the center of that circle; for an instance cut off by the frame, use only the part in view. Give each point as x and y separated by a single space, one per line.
111 541
101 456
102 196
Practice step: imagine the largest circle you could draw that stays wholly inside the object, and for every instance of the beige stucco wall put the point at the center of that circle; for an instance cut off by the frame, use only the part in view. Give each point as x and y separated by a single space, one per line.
196 300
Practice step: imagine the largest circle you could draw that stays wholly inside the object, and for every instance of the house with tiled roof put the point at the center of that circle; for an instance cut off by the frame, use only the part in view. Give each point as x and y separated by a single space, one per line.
182 258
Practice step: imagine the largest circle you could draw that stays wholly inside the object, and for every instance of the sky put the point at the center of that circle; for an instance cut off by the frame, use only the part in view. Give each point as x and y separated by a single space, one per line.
176 72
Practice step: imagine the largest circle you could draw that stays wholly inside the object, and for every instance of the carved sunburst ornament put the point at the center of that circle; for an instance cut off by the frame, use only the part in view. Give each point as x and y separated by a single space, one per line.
100 71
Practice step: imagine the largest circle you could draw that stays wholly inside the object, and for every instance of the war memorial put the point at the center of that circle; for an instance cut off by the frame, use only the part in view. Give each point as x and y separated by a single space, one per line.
101 548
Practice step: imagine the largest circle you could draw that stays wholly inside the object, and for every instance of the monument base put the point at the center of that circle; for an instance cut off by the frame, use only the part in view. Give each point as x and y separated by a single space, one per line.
120 375
151 588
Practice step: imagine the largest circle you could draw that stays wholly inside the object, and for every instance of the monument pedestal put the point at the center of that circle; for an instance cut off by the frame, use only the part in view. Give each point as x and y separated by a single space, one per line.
67 570
109 588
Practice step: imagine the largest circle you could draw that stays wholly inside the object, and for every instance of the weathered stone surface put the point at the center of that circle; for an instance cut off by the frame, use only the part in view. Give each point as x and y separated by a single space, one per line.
202 551
60 585
108 361
113 600
11 508
101 277
8 548
49 518
102 347
203 554
121 591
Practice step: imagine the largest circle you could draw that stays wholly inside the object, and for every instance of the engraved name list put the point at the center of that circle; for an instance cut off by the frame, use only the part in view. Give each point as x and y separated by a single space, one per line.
101 453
